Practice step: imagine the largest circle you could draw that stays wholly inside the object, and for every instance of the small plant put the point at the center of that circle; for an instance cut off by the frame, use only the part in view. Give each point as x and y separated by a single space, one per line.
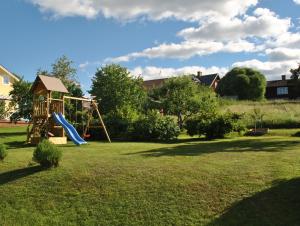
47 154
257 116
3 152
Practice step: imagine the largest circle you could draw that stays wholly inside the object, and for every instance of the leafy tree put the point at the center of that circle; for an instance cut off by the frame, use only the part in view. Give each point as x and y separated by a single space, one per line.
181 96
245 83
117 91
63 69
295 72
42 72
22 98
295 83
2 109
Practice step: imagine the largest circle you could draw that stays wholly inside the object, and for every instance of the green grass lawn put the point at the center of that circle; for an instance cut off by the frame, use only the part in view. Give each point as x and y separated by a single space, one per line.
239 181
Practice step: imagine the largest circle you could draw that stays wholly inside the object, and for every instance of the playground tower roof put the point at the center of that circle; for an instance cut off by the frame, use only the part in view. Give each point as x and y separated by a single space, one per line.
49 83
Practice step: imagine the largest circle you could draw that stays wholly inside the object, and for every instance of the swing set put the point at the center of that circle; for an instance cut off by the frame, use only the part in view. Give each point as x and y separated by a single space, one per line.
91 107
48 113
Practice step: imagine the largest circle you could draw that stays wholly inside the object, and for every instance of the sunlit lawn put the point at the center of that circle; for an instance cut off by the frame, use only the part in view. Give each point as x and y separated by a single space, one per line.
238 181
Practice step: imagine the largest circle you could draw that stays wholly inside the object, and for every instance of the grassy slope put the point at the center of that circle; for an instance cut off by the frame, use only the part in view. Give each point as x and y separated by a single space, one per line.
240 181
278 114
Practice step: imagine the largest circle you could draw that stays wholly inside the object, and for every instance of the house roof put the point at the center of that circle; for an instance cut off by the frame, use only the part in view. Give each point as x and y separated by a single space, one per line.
14 76
154 83
207 79
281 83
277 83
50 83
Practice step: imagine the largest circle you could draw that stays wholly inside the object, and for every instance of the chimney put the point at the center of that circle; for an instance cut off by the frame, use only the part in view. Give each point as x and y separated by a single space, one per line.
283 77
199 73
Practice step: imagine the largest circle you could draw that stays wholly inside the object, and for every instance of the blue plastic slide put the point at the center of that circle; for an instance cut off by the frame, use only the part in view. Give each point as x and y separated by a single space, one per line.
69 129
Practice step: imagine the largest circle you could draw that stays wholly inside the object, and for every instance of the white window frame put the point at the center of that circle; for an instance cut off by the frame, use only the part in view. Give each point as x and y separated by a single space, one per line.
282 91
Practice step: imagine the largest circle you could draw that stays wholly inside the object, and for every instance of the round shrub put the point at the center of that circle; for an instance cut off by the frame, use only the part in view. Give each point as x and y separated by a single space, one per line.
3 152
219 127
214 126
47 154
154 126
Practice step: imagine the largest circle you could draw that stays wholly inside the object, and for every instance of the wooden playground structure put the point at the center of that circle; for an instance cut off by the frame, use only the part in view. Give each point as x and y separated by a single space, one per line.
43 124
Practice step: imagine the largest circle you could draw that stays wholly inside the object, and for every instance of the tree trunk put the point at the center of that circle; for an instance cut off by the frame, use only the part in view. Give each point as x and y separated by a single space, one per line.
180 121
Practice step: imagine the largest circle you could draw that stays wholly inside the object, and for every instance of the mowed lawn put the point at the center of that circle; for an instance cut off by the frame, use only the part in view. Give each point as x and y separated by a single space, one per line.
239 181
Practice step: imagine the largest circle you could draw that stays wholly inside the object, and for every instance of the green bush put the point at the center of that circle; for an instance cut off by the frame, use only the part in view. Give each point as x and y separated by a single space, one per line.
214 126
47 154
3 152
154 126
116 125
219 127
297 134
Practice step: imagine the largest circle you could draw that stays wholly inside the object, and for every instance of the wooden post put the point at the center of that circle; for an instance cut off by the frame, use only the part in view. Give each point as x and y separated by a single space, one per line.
102 123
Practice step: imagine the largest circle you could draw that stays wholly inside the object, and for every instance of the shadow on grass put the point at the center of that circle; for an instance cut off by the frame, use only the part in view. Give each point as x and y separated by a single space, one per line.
18 174
12 134
279 205
195 149
18 144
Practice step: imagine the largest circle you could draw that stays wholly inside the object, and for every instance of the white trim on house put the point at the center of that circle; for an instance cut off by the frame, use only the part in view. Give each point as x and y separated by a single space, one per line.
4 97
9 73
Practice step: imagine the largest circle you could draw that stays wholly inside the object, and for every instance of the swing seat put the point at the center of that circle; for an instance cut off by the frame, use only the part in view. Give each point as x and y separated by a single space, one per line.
50 134
87 135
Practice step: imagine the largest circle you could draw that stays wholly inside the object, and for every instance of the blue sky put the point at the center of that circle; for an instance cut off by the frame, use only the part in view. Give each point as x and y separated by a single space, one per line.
152 38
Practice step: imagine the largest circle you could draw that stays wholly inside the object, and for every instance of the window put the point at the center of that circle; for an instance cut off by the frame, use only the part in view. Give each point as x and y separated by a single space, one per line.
282 91
5 80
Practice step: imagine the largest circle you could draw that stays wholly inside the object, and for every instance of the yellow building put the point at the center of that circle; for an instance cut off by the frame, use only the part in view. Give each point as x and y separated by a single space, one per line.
6 81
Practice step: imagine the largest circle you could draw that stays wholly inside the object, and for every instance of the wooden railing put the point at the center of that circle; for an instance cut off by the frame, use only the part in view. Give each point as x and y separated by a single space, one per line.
57 106
40 108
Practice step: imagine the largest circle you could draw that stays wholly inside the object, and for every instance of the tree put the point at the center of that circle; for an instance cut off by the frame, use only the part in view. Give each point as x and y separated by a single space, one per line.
295 72
63 69
245 83
117 91
181 96
2 109
295 83
22 98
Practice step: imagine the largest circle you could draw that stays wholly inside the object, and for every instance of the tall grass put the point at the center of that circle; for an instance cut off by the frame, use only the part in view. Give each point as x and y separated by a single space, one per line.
277 113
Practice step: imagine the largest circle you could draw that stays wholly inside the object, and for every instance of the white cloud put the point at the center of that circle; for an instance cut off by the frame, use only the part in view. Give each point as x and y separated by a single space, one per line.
183 50
64 8
223 27
149 73
264 23
287 39
283 54
273 70
297 1
226 35
84 65
186 50
189 10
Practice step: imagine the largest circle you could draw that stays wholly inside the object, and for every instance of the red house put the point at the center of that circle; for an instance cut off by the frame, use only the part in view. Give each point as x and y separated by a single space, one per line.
282 89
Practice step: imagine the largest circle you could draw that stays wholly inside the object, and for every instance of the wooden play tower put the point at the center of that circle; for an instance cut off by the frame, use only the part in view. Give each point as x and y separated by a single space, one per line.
44 105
